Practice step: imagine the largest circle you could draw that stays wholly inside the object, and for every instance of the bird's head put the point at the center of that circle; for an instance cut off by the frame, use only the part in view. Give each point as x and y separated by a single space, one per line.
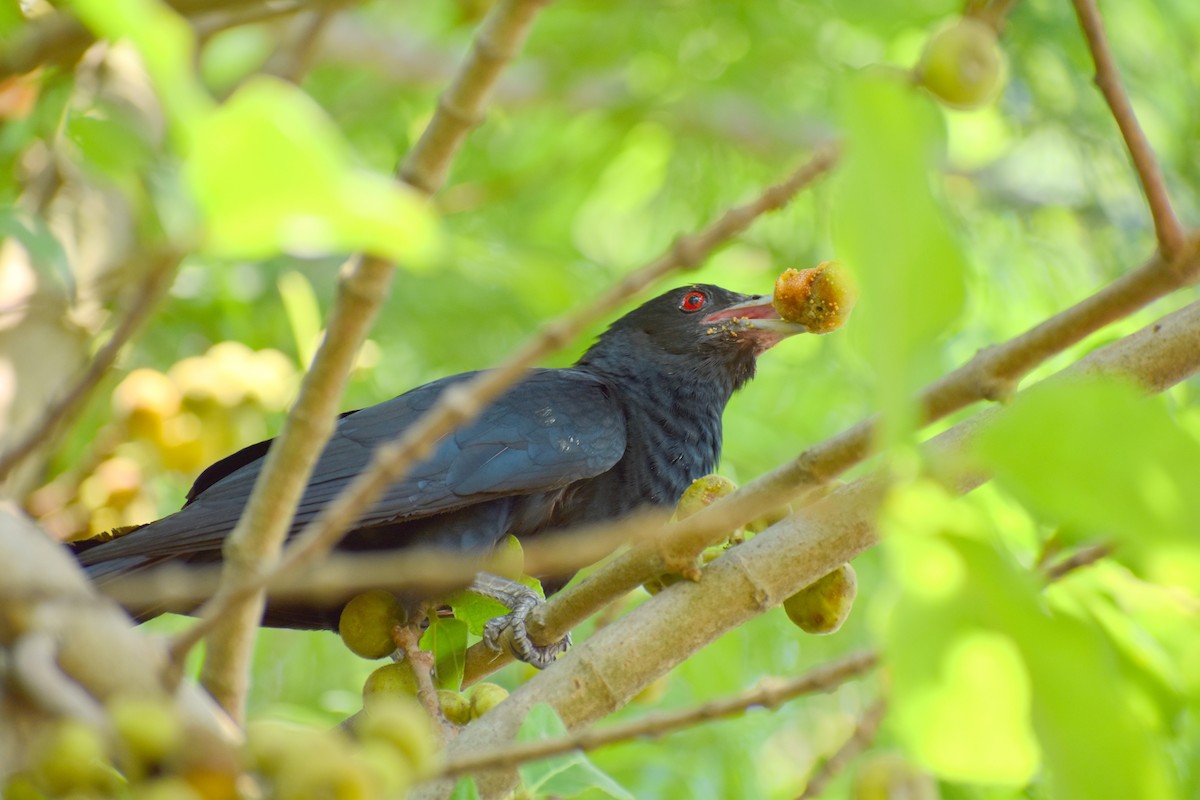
699 329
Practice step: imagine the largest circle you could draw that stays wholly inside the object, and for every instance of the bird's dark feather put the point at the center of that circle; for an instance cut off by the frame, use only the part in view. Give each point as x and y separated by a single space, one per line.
553 428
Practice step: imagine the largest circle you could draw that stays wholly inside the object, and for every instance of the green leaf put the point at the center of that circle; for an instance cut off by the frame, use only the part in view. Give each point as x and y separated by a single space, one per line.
446 638
568 775
980 666
962 699
465 789
891 229
11 18
303 313
271 173
1100 456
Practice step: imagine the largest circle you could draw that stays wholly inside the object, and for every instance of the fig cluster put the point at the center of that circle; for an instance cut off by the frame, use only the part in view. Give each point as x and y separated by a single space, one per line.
181 420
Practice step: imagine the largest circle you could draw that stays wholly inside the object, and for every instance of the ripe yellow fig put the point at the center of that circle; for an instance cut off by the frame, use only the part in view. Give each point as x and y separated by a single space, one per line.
390 680
456 707
367 621
149 727
485 697
144 400
962 64
823 606
703 492
820 298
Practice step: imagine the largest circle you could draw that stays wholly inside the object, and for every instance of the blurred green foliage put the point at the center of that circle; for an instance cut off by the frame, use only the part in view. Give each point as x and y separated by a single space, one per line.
619 127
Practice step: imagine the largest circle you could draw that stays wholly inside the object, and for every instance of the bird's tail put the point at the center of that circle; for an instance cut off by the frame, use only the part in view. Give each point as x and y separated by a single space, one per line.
82 545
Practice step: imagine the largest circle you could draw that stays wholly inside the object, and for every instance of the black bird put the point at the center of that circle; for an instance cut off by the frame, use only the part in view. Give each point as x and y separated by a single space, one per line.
631 424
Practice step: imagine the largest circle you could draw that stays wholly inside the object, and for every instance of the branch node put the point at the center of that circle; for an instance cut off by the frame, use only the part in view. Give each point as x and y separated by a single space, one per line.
462 116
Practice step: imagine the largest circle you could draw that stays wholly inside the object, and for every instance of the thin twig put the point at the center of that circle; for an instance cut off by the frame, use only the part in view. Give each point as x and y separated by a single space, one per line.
157 277
1166 225
460 107
860 740
292 61
258 537
210 25
770 693
992 374
1080 558
407 638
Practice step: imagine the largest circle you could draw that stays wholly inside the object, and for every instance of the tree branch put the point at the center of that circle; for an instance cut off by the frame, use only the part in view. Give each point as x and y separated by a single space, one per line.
992 374
759 574
425 571
460 107
255 542
157 276
1166 226
770 693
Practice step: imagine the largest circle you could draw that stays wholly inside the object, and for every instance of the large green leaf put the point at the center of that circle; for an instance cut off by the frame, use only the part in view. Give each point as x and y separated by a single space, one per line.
271 173
989 682
1100 456
891 229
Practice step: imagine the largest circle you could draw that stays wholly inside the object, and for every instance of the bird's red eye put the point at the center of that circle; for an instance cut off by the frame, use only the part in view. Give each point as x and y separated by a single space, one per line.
693 301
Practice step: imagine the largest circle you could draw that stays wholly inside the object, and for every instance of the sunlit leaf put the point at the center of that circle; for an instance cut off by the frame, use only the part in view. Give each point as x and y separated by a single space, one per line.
271 174
976 655
303 313
1100 456
446 638
891 229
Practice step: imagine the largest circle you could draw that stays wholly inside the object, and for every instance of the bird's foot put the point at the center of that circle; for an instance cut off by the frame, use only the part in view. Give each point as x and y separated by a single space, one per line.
510 630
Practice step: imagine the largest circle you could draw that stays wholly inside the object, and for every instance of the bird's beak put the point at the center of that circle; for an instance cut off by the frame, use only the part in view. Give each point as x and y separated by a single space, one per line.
757 319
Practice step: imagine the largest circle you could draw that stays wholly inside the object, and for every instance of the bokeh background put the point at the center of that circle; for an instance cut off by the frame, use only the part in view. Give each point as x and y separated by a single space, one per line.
620 127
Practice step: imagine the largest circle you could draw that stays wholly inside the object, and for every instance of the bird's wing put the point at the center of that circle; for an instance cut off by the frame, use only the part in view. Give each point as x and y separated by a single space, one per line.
553 428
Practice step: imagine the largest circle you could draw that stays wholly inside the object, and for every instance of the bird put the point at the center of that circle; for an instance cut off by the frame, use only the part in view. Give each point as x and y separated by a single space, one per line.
630 425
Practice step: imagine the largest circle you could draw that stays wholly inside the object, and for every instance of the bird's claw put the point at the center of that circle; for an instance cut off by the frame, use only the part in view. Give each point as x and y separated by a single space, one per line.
511 630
